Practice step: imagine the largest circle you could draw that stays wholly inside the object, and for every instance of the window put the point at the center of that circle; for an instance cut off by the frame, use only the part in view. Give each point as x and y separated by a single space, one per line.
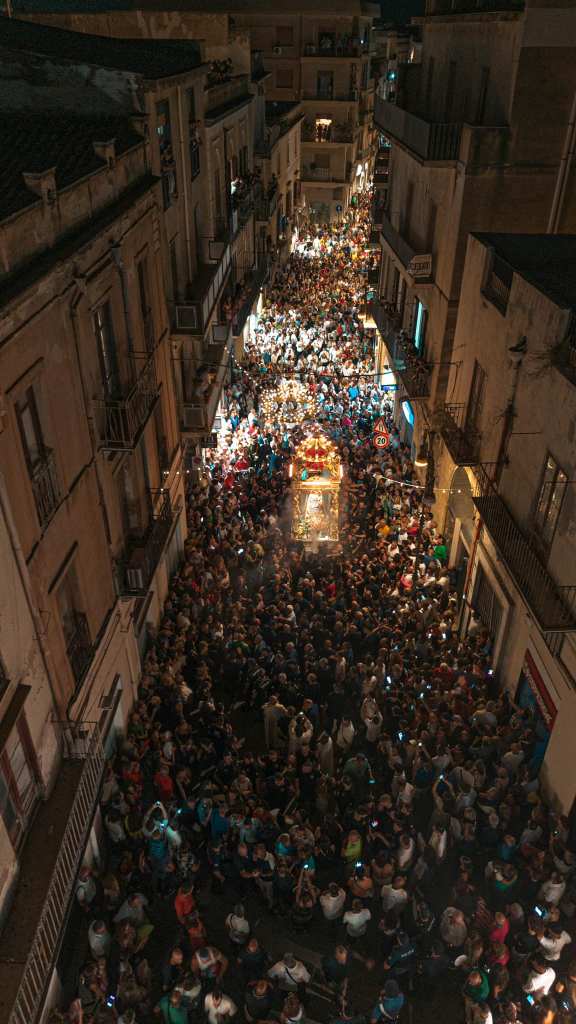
420 322
549 501
429 83
105 340
217 194
450 84
325 85
498 283
284 78
67 598
174 270
486 604
167 161
476 399
19 791
30 430
3 679
482 94
144 301
284 35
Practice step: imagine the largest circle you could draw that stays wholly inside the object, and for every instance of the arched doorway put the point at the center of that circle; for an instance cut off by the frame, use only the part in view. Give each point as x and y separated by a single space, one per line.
460 509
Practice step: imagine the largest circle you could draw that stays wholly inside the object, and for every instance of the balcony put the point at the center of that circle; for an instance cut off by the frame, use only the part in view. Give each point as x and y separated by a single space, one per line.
336 49
473 7
79 648
45 487
428 140
193 315
329 96
136 569
218 347
253 281
335 133
461 439
551 604
413 371
265 207
121 420
417 265
313 173
49 863
316 174
226 95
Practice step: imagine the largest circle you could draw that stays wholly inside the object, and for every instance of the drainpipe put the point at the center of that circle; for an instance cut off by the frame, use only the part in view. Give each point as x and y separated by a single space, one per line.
185 184
25 581
563 172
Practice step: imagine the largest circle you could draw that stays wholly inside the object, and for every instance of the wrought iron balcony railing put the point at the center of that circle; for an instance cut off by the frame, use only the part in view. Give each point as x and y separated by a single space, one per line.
252 284
265 208
414 372
412 369
460 438
46 488
121 420
552 604
136 569
80 648
84 761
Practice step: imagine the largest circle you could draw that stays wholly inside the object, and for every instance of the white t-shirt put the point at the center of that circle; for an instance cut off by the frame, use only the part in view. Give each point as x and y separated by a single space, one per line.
225 1008
289 977
332 905
356 922
238 929
540 982
552 947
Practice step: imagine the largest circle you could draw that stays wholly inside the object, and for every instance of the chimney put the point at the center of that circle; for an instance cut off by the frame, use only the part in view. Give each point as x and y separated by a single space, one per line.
106 151
42 183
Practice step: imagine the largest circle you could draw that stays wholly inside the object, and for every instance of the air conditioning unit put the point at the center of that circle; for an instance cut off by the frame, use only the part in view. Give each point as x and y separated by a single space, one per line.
188 317
277 51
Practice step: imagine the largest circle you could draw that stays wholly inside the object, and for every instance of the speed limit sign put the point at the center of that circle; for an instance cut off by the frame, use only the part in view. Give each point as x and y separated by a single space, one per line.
382 440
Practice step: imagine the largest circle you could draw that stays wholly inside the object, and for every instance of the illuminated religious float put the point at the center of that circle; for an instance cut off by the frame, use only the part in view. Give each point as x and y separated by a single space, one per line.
316 473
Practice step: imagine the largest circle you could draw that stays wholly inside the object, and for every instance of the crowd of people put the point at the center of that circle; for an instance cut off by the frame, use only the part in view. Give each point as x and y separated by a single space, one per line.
324 804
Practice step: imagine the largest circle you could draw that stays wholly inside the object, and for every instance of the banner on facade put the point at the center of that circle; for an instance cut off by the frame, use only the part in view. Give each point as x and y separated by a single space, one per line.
537 685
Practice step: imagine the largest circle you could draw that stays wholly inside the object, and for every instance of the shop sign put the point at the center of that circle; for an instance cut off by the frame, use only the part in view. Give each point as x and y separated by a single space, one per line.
537 685
420 266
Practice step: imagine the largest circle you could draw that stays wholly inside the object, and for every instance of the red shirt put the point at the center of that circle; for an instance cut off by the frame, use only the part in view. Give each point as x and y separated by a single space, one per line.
184 905
164 785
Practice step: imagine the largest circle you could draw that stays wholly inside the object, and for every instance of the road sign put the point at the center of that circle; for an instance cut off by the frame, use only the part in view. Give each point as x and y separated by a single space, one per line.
380 426
381 440
338 207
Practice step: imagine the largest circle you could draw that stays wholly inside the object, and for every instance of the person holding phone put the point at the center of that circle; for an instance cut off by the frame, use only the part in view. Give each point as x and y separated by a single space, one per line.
540 978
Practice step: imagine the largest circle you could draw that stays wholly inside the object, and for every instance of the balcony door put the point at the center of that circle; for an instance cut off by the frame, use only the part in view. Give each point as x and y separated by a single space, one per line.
30 430
476 399
19 787
107 355
325 84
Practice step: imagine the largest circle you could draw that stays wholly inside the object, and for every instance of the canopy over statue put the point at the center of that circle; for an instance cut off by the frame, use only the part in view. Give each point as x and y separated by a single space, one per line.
316 473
